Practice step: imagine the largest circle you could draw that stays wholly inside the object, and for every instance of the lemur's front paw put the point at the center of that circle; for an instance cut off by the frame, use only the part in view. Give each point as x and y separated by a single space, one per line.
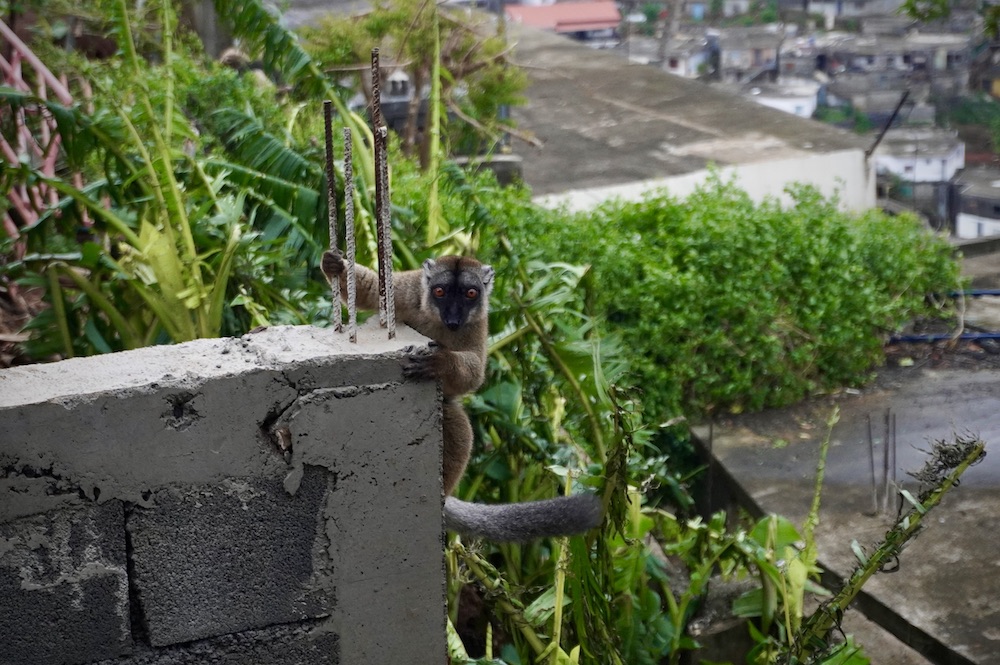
333 265
420 363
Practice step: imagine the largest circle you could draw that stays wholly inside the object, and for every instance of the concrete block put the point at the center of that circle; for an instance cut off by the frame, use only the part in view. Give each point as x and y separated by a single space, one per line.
64 587
310 643
212 560
384 516
228 533
123 424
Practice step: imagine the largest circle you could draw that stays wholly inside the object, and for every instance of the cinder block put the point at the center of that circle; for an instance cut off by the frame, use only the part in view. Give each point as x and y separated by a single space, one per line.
64 587
212 560
311 643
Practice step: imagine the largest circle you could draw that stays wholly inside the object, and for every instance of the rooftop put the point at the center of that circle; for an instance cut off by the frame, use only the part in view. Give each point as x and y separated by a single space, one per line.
605 122
567 17
910 141
981 182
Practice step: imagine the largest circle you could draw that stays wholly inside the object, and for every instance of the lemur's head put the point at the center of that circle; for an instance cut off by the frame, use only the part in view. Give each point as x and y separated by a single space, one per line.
459 287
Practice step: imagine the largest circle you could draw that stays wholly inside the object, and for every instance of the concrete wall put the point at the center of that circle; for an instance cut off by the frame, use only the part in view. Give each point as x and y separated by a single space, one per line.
969 226
843 172
272 499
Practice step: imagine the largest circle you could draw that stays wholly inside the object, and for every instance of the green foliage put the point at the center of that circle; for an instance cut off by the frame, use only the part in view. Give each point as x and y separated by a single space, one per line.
651 11
844 116
477 80
730 304
926 10
711 303
159 260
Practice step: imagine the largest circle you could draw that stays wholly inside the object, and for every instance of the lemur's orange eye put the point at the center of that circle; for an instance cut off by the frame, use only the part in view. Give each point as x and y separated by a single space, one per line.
438 292
472 294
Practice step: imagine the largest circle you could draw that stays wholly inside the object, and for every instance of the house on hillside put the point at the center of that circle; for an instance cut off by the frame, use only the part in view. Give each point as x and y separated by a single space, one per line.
835 9
735 7
688 56
745 53
875 93
593 22
978 203
918 165
796 96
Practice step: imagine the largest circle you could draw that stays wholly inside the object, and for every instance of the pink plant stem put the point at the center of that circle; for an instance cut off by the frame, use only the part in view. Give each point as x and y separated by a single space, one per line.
61 93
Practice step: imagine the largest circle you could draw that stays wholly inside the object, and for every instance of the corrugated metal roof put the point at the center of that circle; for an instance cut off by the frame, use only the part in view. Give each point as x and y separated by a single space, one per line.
565 17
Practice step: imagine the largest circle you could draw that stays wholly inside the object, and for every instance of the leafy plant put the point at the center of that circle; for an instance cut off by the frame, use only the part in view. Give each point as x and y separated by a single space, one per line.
156 257
733 305
434 47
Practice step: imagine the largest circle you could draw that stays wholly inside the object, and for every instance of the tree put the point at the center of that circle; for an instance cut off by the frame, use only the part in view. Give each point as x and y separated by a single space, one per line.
935 10
477 78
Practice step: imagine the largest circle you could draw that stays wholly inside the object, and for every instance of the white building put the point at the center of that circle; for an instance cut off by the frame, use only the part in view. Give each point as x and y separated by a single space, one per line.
687 56
978 203
920 155
797 96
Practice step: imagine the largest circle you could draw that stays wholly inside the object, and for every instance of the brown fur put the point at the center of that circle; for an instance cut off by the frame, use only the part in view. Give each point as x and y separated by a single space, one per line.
457 359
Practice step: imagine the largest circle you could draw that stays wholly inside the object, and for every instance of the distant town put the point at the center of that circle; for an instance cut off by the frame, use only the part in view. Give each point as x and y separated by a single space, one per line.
925 92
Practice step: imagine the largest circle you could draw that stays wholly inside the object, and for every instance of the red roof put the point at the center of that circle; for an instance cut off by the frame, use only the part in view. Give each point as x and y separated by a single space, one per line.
568 16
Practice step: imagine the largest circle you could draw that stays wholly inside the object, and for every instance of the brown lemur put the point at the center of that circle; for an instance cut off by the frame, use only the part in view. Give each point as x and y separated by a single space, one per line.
448 301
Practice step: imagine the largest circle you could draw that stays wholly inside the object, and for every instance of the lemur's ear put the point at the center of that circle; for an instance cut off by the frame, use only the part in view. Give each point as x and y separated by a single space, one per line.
429 266
488 274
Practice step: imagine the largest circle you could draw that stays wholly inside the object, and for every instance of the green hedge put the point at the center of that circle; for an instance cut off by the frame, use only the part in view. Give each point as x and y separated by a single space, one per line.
730 304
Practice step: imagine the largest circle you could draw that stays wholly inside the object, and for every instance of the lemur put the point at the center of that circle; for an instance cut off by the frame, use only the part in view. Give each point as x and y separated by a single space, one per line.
448 301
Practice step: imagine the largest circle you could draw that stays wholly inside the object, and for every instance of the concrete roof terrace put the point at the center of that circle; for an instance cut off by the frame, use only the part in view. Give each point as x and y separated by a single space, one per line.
607 124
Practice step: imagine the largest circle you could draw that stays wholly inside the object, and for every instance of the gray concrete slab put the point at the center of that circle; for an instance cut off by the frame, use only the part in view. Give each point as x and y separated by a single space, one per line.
286 478
64 587
611 128
944 594
196 576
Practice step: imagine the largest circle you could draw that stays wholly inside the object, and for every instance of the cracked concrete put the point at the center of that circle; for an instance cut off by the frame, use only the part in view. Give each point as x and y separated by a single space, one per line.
285 477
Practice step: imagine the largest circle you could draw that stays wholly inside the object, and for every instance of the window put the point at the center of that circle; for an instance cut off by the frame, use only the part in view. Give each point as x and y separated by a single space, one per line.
672 63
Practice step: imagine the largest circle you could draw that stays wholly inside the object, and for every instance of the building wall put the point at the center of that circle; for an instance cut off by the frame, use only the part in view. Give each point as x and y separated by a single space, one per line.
686 65
274 499
923 168
843 172
974 226
804 106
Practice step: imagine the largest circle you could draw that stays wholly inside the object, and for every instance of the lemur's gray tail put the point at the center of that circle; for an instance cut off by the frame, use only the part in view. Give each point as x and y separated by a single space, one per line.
521 522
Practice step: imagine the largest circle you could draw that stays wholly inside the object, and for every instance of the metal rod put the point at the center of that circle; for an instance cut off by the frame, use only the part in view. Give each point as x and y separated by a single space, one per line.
331 205
892 471
888 124
871 466
942 337
378 148
387 303
352 289
385 221
885 463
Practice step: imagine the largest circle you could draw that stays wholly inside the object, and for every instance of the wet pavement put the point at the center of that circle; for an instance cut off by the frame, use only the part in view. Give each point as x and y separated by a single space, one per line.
944 599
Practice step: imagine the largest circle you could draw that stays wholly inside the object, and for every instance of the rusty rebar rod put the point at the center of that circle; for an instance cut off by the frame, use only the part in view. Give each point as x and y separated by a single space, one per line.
387 302
871 466
352 288
331 204
896 498
885 461
378 148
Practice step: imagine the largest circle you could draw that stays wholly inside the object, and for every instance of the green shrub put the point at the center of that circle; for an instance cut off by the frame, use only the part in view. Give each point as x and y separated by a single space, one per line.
729 304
